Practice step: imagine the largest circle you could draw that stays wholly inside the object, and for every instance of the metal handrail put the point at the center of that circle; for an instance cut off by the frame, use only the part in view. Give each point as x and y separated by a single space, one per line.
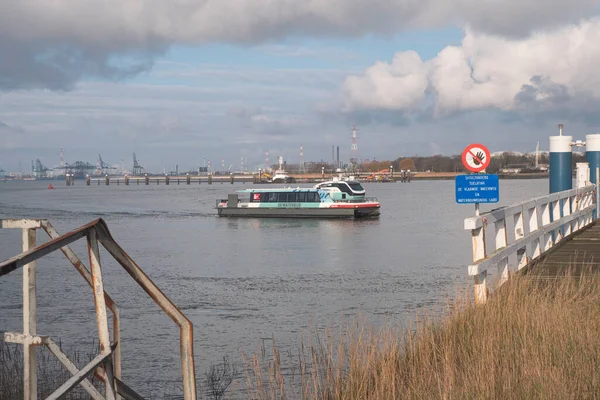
96 233
539 224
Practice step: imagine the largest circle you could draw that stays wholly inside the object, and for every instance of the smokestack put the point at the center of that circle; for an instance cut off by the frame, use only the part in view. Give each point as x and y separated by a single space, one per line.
332 154
338 156
560 126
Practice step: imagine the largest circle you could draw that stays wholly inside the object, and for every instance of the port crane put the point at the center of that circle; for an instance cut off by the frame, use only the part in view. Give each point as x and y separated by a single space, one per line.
38 170
102 167
137 168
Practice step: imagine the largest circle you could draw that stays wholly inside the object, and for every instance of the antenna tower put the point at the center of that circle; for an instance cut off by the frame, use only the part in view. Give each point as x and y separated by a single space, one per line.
354 147
301 159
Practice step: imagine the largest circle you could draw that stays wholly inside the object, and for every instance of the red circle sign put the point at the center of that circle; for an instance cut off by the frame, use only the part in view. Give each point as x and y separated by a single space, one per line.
476 157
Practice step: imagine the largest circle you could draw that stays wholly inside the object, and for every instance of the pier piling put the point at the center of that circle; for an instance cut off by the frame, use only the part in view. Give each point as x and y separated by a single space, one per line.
561 162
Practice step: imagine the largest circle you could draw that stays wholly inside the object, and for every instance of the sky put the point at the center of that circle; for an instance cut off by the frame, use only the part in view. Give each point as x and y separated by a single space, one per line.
190 81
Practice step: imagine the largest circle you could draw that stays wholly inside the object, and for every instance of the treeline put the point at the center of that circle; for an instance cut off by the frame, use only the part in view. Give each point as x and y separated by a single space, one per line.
437 163
454 163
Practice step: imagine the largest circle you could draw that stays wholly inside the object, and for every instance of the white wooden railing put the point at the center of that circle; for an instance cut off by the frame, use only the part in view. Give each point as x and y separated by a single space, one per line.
525 231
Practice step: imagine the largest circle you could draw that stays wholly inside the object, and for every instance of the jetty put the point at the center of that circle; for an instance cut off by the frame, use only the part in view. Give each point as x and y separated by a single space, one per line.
257 178
547 236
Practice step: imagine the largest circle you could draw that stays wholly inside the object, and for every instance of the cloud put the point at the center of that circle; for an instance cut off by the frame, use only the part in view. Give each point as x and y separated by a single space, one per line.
54 44
545 72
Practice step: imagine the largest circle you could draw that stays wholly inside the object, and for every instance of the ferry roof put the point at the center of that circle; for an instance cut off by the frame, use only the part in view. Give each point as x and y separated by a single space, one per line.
289 189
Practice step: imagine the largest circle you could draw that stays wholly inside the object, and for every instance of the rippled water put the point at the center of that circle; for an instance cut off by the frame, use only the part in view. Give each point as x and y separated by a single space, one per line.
239 280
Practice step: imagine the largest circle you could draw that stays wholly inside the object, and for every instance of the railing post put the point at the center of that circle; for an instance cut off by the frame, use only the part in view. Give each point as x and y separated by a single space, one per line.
566 206
101 317
29 320
558 233
501 242
479 253
535 250
520 234
548 242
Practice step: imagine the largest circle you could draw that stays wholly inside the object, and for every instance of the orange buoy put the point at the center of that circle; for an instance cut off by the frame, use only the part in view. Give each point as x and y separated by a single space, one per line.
50 186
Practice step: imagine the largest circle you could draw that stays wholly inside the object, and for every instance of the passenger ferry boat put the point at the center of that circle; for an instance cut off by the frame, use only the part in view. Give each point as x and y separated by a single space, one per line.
331 199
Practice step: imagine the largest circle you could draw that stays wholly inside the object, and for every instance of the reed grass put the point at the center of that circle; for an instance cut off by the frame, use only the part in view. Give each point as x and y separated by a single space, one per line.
535 338
51 373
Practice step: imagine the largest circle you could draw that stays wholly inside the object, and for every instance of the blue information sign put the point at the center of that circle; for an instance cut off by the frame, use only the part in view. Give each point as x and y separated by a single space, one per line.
477 188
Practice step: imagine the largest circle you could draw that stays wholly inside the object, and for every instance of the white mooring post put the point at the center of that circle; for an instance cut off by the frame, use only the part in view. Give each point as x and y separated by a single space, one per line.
29 321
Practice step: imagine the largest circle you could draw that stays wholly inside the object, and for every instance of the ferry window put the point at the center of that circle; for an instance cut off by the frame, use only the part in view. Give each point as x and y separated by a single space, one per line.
302 197
313 197
291 197
344 188
272 197
356 186
282 197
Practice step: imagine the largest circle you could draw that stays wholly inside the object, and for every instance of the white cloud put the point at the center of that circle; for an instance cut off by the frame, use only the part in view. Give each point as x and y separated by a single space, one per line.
399 85
542 71
54 44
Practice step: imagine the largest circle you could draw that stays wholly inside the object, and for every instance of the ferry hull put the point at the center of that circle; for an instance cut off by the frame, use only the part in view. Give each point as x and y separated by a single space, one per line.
299 212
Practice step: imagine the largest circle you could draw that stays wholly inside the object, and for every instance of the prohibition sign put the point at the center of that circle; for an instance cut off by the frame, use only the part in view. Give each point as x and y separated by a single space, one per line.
476 157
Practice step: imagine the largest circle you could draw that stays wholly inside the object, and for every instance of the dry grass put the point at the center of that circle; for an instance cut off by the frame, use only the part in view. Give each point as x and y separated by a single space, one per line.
535 339
51 373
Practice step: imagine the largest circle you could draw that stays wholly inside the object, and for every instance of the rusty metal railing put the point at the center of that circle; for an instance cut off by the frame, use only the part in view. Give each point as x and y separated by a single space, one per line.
107 365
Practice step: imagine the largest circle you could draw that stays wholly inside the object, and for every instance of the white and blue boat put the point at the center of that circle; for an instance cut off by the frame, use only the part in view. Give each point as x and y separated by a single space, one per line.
331 199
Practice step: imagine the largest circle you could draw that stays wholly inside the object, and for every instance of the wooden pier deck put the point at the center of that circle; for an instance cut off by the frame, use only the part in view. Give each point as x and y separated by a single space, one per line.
578 255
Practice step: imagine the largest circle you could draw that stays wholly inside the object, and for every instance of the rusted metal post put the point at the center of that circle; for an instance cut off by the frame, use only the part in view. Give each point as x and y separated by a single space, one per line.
166 179
186 327
231 178
106 180
88 180
126 180
187 179
101 317
67 180
147 179
112 306
72 179
209 179
29 320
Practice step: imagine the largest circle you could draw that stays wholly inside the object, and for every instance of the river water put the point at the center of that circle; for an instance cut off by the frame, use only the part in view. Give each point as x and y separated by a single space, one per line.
240 281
